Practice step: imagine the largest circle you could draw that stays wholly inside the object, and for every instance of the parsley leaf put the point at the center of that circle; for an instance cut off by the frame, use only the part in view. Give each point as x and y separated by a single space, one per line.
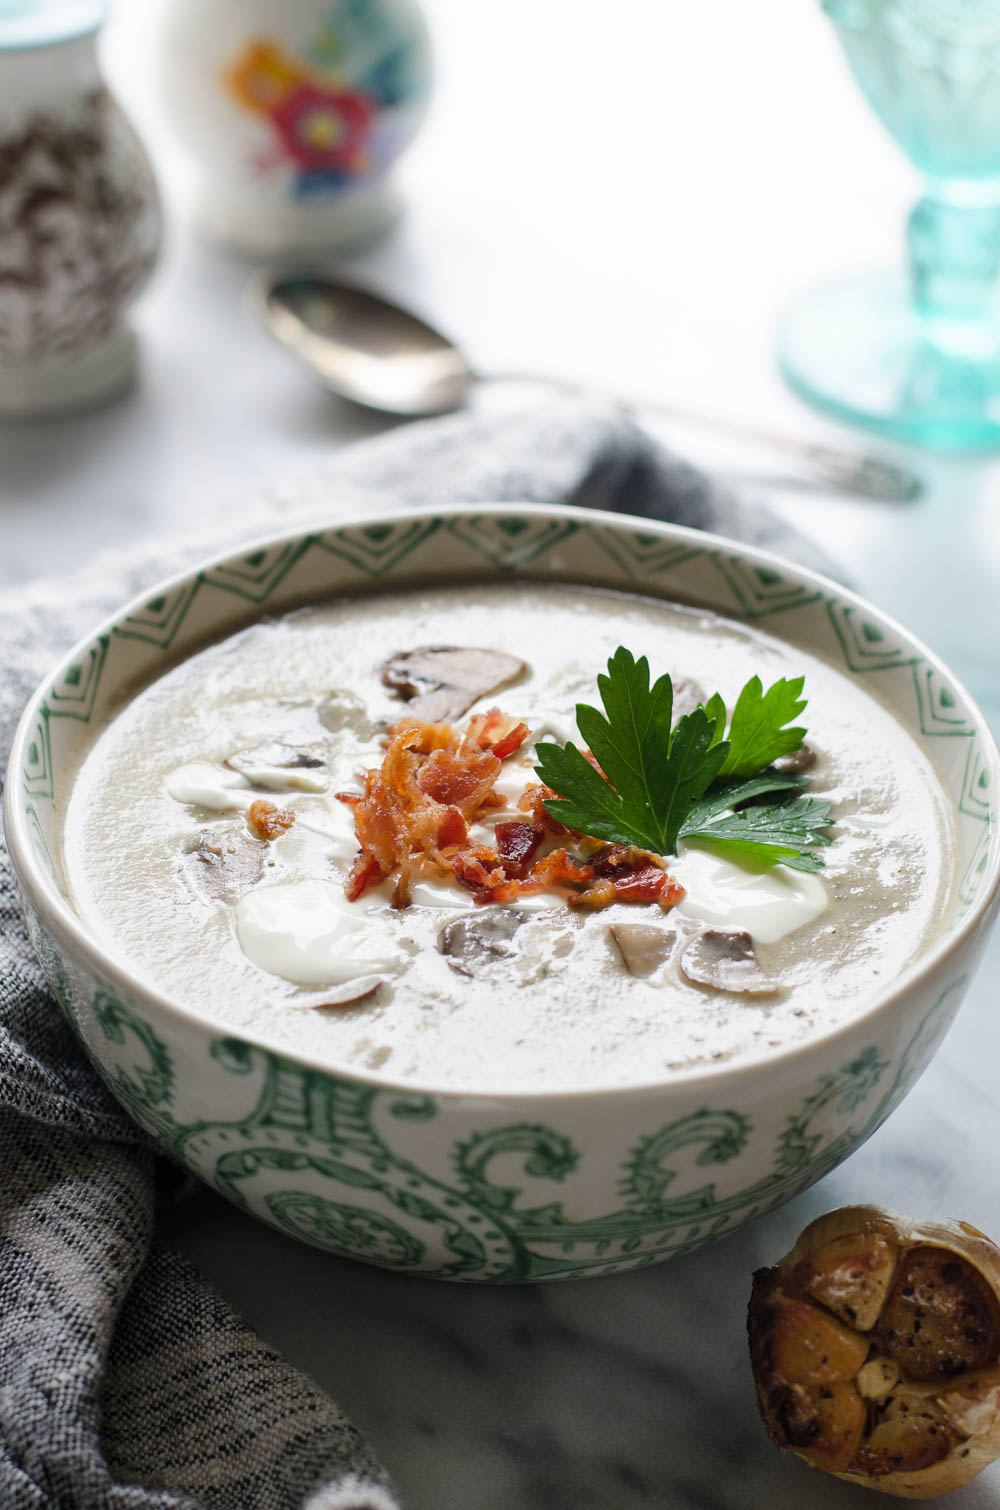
771 832
662 782
757 733
654 773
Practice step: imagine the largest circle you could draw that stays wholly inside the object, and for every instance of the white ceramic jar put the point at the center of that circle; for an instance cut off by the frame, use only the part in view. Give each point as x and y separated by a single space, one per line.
294 112
79 215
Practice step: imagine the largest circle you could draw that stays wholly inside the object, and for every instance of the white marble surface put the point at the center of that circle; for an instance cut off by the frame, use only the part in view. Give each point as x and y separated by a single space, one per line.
626 193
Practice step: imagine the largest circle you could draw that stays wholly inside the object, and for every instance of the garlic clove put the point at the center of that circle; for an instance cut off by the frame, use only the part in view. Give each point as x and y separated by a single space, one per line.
910 1434
941 1318
850 1276
915 1308
877 1379
810 1347
828 1419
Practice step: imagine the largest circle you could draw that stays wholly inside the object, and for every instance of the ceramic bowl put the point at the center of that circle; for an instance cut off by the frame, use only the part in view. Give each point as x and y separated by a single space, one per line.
503 1187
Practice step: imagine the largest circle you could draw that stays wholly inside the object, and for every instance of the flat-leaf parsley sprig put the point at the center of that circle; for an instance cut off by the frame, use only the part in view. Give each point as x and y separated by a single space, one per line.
659 782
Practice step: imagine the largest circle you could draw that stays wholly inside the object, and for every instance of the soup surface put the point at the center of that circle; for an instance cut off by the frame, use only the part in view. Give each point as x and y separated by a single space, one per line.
257 933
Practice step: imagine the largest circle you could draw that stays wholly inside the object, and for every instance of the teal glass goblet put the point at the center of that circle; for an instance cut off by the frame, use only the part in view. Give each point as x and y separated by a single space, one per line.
916 355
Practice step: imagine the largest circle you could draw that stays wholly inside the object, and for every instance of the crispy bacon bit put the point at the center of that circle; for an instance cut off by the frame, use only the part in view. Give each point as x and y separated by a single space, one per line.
266 821
517 846
614 859
457 780
559 869
649 884
479 871
512 740
601 894
626 874
365 872
496 732
453 830
532 800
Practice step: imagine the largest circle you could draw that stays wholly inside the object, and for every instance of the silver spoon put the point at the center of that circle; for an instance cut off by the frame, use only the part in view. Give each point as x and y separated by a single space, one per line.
375 353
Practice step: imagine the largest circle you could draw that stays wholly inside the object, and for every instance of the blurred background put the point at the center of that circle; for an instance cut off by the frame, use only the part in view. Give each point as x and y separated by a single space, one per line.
627 193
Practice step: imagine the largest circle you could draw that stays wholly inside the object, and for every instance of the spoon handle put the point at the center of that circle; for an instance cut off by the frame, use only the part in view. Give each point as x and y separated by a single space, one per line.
849 471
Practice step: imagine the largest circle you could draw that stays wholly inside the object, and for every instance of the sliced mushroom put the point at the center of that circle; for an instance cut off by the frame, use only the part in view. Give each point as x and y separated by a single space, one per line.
687 696
347 993
875 1346
342 710
441 682
796 761
642 947
224 863
727 962
279 767
479 938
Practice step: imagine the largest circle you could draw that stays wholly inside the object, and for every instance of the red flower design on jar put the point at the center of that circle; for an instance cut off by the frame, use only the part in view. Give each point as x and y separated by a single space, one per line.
324 129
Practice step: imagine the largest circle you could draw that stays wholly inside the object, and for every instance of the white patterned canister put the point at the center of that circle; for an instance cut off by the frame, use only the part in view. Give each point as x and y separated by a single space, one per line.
79 214
295 113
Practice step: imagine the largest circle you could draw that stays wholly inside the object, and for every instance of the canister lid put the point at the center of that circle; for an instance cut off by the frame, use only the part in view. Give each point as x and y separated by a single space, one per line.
39 23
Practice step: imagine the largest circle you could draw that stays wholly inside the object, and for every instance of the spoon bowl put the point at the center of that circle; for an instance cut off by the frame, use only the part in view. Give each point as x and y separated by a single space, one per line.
364 348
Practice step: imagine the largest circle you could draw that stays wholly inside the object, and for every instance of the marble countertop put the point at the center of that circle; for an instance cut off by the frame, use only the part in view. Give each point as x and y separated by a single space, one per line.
661 270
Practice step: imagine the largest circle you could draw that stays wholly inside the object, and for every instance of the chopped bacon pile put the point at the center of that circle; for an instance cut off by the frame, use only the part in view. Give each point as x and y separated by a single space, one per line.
435 781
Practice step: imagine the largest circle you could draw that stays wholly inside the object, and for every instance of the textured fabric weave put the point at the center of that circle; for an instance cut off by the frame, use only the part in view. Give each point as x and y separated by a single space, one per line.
125 1381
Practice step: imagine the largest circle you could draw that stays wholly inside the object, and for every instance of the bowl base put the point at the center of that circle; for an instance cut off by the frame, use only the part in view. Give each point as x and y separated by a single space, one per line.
860 351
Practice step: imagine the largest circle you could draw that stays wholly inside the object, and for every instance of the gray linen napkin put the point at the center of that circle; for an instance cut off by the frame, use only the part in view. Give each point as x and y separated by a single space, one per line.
126 1382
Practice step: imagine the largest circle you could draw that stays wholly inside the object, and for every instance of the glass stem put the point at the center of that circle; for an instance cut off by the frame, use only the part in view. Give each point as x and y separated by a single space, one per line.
954 262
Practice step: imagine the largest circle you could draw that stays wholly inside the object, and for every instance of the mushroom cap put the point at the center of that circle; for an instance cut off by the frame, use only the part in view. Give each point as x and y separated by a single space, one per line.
441 682
726 960
223 862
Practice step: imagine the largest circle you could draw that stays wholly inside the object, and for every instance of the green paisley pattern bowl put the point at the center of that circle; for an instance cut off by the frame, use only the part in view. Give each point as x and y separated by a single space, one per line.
515 1187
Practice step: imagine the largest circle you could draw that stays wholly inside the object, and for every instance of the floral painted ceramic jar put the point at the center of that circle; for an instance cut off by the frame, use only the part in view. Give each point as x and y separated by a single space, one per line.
295 112
79 215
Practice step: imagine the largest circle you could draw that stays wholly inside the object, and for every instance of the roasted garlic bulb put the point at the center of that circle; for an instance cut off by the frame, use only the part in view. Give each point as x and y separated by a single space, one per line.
875 1346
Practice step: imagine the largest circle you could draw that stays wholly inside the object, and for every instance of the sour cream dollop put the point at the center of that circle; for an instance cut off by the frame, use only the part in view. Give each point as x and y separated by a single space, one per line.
309 933
766 903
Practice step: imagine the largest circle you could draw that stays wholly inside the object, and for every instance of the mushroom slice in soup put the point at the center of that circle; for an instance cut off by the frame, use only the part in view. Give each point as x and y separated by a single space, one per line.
643 948
347 994
441 682
339 710
279 767
223 863
796 761
687 696
726 961
479 938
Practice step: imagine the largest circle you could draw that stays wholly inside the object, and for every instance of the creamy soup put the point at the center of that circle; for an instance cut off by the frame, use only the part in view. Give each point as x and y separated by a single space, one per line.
210 843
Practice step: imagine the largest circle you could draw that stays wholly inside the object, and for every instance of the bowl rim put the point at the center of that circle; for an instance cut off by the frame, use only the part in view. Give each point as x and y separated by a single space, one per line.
60 918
